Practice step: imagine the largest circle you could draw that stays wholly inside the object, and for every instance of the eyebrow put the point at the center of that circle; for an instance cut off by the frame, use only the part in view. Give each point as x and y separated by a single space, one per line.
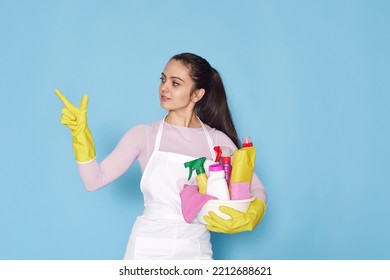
173 77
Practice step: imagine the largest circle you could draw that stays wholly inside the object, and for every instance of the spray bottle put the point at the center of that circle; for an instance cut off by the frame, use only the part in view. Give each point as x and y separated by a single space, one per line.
201 178
225 153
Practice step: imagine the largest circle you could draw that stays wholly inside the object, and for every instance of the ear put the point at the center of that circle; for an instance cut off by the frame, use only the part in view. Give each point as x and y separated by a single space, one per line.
197 95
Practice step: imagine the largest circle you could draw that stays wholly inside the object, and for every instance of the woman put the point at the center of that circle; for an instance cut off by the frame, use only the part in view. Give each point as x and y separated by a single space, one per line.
198 119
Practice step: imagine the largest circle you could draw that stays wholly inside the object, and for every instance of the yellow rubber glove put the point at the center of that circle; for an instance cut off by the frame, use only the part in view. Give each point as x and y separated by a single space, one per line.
239 221
75 118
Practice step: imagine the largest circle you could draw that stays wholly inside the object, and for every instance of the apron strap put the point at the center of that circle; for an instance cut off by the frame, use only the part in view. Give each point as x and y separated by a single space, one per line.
159 135
209 141
208 137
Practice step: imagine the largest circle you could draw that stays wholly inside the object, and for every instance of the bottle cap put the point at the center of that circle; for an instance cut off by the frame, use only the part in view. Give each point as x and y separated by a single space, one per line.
215 167
226 160
246 142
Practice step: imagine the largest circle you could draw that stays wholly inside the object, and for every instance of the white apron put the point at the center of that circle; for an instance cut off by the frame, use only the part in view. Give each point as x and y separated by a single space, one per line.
161 231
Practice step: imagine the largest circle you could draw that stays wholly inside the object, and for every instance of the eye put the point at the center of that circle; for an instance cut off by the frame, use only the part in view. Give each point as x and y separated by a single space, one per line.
175 84
162 79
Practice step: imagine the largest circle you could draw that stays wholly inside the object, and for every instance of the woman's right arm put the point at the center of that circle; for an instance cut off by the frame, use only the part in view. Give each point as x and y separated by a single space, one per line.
93 174
96 176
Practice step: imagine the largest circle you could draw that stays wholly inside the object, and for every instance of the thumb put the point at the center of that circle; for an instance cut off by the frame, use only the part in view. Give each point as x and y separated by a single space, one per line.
84 103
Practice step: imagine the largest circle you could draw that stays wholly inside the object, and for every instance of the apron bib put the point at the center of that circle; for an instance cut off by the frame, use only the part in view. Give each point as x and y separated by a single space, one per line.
161 231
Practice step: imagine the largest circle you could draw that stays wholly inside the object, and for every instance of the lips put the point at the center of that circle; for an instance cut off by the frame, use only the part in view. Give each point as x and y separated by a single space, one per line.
164 98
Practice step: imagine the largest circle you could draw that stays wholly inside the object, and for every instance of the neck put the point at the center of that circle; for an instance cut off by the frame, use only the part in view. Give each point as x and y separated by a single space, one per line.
183 119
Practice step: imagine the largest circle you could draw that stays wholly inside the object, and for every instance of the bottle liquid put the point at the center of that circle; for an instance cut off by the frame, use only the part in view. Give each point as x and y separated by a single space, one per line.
201 178
216 183
225 153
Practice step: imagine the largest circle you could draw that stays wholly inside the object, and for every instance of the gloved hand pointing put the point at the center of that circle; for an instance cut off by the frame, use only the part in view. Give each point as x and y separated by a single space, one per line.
239 221
75 118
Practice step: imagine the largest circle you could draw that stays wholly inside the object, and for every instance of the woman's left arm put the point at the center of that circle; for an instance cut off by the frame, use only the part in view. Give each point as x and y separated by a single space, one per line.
257 188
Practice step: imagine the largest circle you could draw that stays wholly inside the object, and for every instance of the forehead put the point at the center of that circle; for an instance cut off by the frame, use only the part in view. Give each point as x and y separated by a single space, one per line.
177 68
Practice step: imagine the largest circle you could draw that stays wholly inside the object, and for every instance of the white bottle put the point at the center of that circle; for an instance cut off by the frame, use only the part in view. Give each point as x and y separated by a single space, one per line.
216 183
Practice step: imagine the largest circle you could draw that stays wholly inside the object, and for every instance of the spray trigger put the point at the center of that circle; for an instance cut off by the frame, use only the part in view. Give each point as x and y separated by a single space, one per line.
219 153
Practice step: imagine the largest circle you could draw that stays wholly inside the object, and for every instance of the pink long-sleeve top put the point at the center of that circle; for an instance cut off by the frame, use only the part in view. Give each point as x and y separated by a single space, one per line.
138 143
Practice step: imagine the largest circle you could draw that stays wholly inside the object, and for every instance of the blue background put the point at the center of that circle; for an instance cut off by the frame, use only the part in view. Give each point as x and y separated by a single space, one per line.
307 80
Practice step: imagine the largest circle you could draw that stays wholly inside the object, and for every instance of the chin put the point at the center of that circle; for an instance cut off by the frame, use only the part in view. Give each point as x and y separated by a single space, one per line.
164 106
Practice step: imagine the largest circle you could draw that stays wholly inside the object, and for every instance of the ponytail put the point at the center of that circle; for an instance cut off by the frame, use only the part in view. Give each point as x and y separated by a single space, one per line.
213 108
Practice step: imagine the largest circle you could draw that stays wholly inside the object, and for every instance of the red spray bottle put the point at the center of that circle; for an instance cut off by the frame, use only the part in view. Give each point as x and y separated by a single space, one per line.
225 154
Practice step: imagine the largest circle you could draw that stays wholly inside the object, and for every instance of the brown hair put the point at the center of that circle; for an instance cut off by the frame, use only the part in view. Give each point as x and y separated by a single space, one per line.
213 108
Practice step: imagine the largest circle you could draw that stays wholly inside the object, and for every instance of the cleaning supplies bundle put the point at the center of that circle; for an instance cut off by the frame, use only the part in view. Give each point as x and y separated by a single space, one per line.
239 214
228 183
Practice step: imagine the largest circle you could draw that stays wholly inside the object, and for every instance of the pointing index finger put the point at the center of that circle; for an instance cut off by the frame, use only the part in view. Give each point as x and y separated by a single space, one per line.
64 100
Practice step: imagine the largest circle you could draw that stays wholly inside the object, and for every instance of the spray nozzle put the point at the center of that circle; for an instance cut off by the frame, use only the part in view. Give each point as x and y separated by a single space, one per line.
224 152
197 165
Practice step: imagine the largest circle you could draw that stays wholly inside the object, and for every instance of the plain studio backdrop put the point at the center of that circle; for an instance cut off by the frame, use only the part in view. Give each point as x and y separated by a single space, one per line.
307 80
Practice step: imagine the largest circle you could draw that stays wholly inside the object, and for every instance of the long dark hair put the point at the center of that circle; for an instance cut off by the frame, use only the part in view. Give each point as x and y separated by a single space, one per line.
213 108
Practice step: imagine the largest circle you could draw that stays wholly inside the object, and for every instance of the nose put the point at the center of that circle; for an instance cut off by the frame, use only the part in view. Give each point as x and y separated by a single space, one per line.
164 87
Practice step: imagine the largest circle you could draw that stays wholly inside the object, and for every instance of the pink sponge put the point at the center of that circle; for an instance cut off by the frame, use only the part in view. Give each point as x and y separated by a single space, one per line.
192 201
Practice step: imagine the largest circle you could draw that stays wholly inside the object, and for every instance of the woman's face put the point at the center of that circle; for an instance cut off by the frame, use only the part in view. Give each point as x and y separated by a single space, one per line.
175 88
